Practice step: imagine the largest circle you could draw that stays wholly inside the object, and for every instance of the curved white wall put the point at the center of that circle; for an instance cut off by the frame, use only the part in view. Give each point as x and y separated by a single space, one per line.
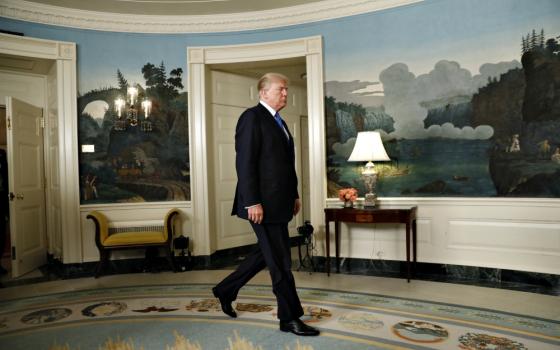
509 233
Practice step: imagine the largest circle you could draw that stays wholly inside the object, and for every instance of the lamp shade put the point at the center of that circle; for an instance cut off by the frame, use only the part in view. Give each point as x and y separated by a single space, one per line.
368 147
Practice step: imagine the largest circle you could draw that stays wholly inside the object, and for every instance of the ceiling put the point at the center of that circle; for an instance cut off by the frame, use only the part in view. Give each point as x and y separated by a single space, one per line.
187 16
174 7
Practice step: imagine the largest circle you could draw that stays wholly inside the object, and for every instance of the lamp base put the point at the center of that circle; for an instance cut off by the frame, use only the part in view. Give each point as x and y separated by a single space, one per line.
369 200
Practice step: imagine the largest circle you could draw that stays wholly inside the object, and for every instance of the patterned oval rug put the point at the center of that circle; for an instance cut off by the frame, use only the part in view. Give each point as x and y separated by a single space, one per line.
187 317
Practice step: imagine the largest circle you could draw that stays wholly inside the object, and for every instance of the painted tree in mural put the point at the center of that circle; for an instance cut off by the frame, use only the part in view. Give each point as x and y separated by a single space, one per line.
134 164
159 85
123 83
162 88
552 46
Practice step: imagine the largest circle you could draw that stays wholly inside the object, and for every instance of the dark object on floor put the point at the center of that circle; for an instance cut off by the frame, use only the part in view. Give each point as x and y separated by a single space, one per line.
225 304
306 238
298 328
131 240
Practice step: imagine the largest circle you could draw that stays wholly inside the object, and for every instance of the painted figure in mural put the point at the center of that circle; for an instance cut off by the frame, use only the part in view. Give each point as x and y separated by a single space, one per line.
544 148
556 156
90 190
514 147
267 196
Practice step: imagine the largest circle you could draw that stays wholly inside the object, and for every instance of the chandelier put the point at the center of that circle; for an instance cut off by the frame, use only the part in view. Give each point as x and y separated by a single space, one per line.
127 112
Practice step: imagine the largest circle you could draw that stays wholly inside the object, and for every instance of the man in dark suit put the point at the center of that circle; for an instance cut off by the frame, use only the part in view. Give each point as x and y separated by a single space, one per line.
267 196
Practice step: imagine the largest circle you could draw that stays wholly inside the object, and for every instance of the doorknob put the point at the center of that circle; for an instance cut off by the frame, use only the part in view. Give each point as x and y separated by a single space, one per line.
19 196
11 196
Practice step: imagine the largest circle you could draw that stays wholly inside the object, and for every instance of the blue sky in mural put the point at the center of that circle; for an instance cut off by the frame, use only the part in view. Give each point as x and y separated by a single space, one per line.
448 29
468 32
413 36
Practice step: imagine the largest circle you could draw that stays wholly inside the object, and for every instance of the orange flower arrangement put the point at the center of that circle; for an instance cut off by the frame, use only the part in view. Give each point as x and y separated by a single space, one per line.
348 194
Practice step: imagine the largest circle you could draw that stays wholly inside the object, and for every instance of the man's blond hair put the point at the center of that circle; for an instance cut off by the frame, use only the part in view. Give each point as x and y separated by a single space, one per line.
269 78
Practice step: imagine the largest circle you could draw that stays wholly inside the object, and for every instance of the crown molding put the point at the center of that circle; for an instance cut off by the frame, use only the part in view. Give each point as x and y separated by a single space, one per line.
256 20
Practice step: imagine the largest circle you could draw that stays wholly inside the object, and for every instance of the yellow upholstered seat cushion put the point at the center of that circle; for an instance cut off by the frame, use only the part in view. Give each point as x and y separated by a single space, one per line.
131 238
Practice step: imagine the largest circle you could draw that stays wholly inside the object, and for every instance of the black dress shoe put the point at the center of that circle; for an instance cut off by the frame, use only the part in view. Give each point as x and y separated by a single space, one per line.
226 305
298 328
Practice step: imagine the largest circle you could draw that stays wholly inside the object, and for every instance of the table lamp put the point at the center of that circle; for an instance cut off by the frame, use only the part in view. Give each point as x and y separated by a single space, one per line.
369 148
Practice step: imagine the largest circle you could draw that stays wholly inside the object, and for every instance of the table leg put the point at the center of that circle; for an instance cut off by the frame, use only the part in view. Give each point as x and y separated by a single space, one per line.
337 244
328 243
408 251
414 244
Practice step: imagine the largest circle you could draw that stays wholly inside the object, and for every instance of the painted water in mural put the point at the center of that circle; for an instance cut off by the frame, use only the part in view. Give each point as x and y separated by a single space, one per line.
139 136
454 133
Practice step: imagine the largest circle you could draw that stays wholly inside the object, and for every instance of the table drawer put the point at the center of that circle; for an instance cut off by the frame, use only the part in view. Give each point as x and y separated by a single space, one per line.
363 218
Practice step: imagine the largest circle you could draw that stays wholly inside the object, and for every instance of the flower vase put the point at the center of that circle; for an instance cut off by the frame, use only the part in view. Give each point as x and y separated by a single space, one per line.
348 204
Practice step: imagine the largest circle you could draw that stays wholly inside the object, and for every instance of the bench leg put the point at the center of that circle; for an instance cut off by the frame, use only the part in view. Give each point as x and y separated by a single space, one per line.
104 256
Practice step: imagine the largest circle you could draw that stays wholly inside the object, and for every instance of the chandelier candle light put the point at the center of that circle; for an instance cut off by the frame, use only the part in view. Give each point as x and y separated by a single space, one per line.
132 112
369 148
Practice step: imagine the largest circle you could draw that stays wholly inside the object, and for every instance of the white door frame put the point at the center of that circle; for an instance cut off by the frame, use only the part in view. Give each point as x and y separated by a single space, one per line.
197 58
64 53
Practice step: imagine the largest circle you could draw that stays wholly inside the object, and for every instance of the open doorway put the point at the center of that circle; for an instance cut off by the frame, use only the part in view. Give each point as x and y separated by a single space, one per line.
232 90
23 98
54 64
201 60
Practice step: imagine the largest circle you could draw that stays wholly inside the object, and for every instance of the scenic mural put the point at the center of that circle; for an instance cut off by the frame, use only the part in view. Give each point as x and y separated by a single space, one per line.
467 104
139 134
466 94
452 133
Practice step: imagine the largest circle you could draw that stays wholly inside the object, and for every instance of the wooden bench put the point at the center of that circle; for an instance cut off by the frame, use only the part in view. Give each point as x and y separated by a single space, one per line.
107 242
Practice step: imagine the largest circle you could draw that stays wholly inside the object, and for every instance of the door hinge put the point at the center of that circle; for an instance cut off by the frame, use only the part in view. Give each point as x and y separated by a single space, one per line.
43 123
13 253
9 123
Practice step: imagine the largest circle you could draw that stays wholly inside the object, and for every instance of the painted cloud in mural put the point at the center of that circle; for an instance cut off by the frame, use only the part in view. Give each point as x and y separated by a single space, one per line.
359 92
408 98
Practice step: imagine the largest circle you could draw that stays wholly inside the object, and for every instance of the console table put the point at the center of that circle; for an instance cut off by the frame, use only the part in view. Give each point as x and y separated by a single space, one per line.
375 215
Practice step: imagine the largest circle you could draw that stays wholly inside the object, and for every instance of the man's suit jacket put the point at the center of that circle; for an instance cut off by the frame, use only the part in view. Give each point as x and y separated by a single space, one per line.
265 164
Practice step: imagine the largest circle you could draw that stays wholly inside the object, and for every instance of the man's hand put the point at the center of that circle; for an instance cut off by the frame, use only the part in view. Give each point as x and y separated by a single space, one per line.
256 213
297 206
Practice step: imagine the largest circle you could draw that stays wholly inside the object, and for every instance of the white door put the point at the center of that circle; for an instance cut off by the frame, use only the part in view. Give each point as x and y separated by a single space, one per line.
231 95
26 184
231 231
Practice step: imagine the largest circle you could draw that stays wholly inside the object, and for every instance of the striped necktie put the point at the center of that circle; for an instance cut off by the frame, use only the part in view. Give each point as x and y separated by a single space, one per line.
279 120
280 123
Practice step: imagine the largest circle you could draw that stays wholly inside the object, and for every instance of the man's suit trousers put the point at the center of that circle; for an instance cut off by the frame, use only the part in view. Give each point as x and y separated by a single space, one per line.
273 251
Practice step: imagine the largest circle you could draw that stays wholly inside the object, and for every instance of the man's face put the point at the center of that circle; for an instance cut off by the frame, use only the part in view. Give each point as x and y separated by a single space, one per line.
276 94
